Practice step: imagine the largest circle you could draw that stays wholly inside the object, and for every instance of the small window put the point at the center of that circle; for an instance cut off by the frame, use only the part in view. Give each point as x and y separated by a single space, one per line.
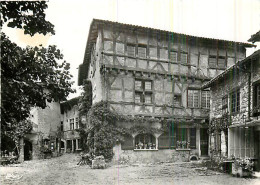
184 58
177 101
235 101
138 97
148 85
173 56
72 124
142 51
148 98
212 61
131 50
193 98
143 91
221 62
138 85
61 126
205 99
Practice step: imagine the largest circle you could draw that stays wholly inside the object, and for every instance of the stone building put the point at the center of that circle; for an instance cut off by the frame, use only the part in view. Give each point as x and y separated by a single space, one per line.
70 139
154 73
44 135
54 130
236 93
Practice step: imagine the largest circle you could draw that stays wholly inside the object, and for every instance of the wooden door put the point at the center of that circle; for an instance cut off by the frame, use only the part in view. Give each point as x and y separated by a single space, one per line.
204 144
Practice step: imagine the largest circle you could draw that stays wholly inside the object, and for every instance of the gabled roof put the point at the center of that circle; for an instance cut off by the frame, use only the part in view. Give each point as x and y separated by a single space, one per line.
93 33
227 71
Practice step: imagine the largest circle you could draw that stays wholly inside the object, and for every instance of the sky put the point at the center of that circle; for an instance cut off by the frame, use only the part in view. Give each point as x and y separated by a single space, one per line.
234 20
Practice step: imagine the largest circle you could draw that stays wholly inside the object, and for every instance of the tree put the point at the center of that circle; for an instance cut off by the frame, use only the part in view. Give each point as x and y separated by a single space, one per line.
26 15
30 76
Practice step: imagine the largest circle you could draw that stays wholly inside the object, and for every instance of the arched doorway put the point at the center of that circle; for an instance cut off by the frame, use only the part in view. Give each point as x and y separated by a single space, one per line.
27 150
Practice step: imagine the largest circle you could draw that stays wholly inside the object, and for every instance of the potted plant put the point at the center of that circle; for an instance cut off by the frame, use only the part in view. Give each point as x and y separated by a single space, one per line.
150 145
242 167
140 145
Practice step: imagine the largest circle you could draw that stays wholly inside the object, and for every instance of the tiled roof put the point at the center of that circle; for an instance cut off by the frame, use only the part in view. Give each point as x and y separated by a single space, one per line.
93 32
224 73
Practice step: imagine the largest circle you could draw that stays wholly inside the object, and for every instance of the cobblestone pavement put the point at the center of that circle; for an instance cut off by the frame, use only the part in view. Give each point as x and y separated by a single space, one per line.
64 170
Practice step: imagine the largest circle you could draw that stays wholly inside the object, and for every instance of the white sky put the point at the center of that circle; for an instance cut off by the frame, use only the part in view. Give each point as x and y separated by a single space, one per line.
233 20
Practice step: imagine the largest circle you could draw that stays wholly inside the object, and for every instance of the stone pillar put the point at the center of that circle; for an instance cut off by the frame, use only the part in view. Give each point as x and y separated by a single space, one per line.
198 140
72 145
21 156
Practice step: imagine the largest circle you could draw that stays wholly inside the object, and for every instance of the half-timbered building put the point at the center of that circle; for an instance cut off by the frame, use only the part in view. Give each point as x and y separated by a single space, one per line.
154 73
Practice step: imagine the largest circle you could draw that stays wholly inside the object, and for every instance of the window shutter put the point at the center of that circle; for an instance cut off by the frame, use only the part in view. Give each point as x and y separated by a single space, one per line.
127 144
193 138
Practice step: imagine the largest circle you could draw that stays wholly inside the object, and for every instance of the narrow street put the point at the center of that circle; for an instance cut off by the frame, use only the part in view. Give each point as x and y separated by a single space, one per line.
64 170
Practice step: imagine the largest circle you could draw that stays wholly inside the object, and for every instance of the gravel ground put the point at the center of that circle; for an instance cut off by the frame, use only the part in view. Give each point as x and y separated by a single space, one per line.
64 170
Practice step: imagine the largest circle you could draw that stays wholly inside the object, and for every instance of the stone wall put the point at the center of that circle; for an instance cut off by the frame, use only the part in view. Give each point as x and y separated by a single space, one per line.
150 156
236 80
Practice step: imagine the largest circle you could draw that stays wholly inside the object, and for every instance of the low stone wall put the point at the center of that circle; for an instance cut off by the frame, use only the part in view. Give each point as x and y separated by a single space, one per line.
150 156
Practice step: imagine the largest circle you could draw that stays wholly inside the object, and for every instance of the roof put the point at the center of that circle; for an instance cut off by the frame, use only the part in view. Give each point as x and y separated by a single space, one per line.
69 104
93 33
255 38
226 72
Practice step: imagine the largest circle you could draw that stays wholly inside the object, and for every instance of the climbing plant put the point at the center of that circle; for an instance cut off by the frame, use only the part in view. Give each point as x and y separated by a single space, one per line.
102 132
217 125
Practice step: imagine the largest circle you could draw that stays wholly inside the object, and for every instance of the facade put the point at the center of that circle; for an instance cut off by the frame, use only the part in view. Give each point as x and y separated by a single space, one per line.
70 140
154 73
54 130
44 135
236 93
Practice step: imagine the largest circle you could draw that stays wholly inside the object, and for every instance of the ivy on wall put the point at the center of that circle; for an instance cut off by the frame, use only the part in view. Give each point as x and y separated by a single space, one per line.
102 130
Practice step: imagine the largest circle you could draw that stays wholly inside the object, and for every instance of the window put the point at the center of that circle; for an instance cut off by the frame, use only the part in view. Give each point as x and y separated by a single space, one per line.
168 139
221 62
225 105
138 97
142 51
173 56
256 100
61 126
77 123
193 98
215 61
145 141
205 99
184 58
186 138
235 101
130 50
72 124
212 61
143 91
177 100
